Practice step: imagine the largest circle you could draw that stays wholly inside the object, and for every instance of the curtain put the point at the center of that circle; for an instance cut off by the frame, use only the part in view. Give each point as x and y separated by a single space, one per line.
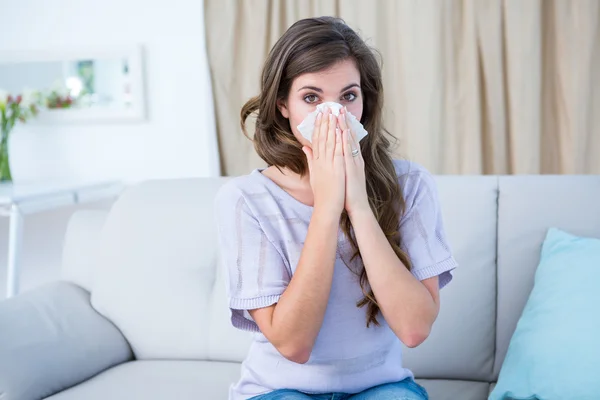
471 86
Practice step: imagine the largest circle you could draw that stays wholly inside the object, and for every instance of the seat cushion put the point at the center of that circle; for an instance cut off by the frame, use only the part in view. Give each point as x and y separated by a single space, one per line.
196 380
154 380
441 389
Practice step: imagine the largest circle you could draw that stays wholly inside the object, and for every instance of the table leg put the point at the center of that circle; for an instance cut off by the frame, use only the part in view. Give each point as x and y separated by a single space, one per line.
14 250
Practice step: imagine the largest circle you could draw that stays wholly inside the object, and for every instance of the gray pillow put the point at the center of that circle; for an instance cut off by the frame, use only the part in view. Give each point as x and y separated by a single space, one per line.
51 339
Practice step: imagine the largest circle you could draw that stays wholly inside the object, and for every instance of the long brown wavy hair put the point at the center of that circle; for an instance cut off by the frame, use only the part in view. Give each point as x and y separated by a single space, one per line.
312 45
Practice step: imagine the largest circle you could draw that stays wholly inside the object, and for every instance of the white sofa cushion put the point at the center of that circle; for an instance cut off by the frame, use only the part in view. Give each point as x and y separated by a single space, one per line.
463 335
201 380
81 243
158 380
157 267
225 343
442 389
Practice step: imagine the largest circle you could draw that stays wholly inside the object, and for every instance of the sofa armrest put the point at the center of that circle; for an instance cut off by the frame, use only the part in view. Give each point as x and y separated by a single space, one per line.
51 339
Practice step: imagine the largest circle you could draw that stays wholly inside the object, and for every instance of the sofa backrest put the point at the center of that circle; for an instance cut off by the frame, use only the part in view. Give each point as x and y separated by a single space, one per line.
528 206
80 250
156 277
156 271
461 344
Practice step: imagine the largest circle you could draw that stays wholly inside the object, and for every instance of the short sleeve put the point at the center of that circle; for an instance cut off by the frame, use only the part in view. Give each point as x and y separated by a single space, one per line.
422 232
255 272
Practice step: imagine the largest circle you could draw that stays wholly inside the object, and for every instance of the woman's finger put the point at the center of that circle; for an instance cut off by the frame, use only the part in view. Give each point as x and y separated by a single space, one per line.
315 137
354 145
339 147
323 133
342 120
347 146
330 145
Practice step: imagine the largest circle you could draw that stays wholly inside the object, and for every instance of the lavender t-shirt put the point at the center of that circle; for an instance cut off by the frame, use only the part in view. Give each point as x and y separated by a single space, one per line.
262 231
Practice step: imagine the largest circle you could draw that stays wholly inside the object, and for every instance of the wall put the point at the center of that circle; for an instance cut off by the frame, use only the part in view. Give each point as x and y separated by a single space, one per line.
177 140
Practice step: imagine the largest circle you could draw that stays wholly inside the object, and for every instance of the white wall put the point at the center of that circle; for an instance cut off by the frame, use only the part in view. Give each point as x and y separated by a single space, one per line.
178 139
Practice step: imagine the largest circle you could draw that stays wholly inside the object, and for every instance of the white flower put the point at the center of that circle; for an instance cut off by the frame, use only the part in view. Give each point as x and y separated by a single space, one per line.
29 97
59 88
4 96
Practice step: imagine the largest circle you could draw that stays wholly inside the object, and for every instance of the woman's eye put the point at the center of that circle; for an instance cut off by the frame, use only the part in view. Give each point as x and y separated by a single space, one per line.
349 97
310 98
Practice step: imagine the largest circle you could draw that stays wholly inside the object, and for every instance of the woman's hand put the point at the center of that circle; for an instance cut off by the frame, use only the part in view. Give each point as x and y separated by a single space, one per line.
326 165
356 187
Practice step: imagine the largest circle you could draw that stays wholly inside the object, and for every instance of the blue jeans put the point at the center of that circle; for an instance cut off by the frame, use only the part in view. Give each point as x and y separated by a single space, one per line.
403 390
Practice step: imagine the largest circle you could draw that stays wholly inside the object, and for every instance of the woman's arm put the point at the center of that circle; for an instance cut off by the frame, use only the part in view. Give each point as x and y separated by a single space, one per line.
292 325
408 305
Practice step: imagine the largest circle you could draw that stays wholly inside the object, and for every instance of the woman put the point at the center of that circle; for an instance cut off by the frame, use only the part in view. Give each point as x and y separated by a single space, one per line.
335 253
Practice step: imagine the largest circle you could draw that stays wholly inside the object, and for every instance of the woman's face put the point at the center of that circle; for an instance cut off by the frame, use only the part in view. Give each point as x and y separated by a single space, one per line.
339 83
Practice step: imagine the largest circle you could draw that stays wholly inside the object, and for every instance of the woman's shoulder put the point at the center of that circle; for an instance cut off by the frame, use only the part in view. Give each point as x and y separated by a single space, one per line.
240 189
415 181
410 172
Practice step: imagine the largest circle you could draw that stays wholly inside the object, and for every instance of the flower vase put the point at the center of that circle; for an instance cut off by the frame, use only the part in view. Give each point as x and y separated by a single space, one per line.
5 174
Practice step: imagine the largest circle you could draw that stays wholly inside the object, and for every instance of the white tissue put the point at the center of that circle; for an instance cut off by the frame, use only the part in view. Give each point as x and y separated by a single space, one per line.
307 126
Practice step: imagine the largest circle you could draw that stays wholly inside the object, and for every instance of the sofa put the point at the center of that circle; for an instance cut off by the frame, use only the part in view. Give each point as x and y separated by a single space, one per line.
140 311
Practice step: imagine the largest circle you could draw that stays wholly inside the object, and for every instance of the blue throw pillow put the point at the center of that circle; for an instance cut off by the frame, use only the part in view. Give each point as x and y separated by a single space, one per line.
554 353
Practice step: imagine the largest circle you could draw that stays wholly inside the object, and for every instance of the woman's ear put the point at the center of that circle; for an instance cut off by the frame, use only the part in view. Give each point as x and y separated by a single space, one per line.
283 108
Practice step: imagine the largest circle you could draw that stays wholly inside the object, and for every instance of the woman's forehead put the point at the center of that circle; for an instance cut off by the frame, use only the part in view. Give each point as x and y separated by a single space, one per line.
336 77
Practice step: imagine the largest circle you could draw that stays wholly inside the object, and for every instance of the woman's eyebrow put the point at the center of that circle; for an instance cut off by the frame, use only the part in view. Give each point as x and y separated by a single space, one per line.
350 86
318 90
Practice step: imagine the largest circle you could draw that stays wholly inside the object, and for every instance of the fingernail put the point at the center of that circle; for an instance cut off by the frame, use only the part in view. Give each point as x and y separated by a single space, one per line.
319 115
